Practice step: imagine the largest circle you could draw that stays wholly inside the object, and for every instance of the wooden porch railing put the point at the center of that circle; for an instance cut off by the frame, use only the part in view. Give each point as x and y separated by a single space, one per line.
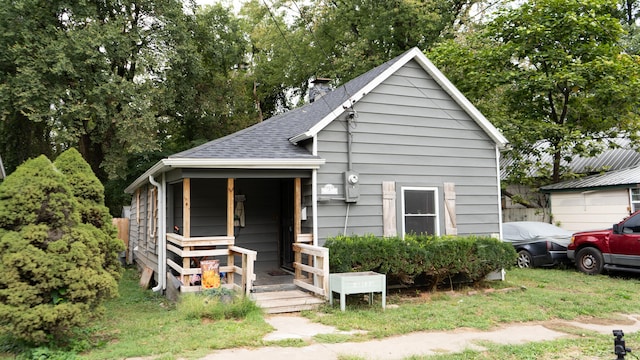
216 247
245 271
311 270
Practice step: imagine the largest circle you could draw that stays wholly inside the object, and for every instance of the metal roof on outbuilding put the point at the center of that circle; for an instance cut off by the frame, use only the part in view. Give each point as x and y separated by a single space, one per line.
622 177
621 157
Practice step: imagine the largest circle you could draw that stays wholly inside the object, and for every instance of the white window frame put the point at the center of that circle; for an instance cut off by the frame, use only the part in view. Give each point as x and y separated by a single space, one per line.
436 207
635 205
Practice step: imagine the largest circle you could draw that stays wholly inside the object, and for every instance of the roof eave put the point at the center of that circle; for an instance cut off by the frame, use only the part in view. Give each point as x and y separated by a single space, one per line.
462 100
590 188
353 99
208 163
244 163
156 169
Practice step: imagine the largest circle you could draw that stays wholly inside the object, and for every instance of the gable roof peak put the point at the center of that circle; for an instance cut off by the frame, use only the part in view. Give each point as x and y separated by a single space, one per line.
354 90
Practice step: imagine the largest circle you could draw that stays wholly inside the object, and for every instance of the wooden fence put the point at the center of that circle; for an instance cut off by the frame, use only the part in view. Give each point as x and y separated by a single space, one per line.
122 224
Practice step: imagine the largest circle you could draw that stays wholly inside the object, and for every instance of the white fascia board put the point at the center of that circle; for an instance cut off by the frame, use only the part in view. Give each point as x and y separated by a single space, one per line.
158 168
208 163
438 76
475 114
354 98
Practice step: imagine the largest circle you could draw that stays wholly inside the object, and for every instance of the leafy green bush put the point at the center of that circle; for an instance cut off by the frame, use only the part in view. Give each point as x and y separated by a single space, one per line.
426 260
216 304
54 272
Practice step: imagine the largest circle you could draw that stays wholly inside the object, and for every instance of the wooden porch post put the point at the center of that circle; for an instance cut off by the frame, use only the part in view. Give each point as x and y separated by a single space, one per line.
297 209
230 215
186 225
297 225
230 201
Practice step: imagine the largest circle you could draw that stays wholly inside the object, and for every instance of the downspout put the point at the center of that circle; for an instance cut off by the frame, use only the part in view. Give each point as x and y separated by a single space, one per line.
499 193
314 200
159 232
162 224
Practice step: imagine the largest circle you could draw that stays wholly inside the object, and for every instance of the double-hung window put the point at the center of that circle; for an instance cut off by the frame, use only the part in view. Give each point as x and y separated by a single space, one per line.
420 211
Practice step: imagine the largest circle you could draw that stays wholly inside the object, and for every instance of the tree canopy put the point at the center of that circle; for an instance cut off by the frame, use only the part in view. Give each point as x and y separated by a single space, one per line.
81 74
128 82
124 82
553 76
293 42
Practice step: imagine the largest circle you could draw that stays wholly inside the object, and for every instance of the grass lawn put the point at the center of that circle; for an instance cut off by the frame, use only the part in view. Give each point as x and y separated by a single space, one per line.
140 323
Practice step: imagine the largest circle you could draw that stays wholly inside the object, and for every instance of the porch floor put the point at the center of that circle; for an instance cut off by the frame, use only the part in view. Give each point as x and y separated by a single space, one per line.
272 276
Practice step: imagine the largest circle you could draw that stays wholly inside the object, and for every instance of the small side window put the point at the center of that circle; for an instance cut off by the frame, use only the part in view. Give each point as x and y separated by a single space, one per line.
420 211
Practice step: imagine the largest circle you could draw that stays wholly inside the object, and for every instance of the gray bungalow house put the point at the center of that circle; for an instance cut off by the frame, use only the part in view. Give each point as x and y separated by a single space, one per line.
396 150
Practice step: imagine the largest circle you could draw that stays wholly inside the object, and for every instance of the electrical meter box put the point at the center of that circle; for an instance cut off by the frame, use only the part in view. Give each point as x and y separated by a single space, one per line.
351 186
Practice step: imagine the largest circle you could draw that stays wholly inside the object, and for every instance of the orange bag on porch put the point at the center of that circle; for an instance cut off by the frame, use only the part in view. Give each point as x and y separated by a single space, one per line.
210 274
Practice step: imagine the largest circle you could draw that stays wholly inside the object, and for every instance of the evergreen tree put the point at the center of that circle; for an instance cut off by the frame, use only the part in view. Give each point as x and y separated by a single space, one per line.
52 265
89 192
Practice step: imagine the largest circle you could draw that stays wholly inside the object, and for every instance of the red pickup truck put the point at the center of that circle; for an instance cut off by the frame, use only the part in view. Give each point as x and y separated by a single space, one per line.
617 248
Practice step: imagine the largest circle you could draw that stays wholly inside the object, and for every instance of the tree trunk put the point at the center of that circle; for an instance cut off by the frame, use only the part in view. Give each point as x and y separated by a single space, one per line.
93 155
23 139
556 167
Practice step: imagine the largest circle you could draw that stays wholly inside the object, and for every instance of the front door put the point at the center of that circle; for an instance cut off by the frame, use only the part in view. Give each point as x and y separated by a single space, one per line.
285 245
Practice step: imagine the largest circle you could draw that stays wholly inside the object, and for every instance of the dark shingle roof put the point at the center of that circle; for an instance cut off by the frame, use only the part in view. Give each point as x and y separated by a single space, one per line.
273 143
270 138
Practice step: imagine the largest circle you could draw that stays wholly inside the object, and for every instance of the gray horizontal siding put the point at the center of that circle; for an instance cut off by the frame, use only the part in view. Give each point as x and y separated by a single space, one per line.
438 144
262 214
410 131
410 172
143 245
208 207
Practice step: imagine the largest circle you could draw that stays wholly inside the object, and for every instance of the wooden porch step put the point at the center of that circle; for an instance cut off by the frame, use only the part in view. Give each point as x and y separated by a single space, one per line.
287 301
274 288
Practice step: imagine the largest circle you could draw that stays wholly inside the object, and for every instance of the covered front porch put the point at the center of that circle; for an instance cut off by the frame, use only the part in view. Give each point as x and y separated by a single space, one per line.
256 226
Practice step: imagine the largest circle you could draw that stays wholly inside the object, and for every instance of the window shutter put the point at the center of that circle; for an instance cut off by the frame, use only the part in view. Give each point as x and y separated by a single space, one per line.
450 209
389 208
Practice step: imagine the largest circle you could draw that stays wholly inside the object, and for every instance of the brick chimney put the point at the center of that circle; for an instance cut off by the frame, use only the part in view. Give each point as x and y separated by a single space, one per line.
320 88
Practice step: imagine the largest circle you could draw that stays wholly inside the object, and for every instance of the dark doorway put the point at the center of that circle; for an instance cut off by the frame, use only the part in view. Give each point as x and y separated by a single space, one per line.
285 245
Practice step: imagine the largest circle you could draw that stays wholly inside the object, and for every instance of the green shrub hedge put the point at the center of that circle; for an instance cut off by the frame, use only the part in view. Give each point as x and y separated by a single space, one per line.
421 260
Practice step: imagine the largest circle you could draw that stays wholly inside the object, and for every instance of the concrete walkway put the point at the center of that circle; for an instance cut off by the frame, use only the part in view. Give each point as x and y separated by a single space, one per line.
399 347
